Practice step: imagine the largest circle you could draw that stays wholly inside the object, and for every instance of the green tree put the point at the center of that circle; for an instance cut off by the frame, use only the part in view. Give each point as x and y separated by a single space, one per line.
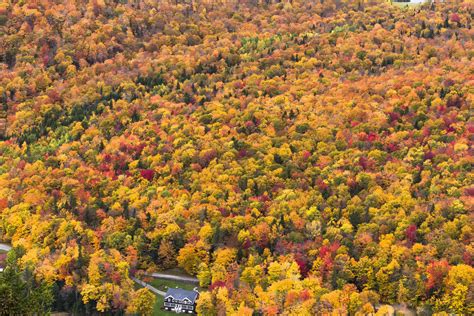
20 293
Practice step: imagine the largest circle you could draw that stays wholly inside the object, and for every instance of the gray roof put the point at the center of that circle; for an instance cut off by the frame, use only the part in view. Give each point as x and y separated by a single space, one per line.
180 294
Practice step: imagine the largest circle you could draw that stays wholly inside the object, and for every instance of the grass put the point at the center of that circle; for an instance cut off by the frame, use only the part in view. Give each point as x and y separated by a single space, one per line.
157 311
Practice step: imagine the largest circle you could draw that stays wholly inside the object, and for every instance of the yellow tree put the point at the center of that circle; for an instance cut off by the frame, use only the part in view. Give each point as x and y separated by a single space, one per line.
192 255
142 302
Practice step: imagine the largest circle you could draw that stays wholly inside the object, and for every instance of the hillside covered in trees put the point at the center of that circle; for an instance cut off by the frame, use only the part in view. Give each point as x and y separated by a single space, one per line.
298 157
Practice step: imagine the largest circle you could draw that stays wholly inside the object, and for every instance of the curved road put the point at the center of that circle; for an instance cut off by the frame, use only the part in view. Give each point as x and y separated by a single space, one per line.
5 247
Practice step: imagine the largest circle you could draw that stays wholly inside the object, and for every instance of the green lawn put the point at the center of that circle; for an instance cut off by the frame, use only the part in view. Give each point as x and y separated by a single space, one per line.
157 308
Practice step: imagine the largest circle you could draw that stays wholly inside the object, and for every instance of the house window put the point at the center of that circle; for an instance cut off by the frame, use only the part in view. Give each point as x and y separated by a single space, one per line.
170 305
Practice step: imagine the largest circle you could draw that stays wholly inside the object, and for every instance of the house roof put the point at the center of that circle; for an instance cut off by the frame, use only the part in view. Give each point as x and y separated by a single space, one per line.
180 294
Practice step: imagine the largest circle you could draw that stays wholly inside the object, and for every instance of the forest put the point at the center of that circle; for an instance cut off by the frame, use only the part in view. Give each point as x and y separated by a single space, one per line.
298 157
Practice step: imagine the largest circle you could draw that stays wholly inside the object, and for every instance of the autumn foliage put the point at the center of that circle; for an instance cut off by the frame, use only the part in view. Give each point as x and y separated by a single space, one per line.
298 157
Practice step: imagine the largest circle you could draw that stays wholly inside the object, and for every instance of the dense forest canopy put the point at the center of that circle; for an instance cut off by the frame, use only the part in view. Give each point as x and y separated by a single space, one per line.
298 157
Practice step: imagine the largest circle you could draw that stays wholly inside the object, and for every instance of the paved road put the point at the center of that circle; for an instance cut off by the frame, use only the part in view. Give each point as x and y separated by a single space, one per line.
5 247
166 276
148 286
404 310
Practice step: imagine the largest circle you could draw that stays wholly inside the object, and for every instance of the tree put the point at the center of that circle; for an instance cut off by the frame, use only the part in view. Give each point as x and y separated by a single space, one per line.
204 275
205 305
20 293
167 254
192 255
142 303
108 283
458 285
